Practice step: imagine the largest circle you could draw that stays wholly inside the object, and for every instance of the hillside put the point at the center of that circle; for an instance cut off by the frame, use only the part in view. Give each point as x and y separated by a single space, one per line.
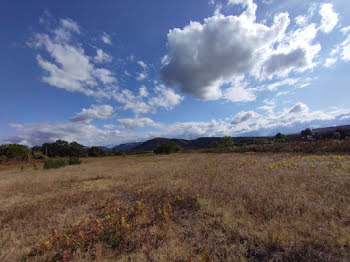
203 142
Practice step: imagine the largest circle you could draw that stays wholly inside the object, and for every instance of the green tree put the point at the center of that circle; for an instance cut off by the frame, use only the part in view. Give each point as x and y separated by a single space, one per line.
14 151
77 150
228 142
215 144
306 132
167 148
281 138
336 135
95 151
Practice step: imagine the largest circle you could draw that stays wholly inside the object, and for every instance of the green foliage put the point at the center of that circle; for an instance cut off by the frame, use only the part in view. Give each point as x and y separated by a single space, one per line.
281 138
95 151
51 163
332 135
2 159
215 144
62 148
306 132
228 142
167 148
14 151
77 150
39 155
74 160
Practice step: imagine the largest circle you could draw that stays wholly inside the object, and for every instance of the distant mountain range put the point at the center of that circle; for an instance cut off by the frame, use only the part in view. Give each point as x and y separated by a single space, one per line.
150 145
127 146
202 142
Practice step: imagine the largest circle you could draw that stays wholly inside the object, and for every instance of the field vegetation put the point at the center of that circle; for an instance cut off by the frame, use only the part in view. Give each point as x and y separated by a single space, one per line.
178 207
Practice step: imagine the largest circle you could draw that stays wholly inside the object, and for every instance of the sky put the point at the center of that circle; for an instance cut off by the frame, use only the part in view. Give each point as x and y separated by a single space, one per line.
111 72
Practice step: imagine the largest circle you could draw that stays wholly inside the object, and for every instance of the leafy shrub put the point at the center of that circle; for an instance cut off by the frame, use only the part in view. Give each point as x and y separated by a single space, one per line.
120 226
50 163
74 161
14 151
228 142
39 155
167 148
62 148
215 144
95 151
2 159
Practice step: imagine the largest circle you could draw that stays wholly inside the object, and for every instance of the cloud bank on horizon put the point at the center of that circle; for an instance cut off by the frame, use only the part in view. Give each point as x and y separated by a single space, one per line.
228 60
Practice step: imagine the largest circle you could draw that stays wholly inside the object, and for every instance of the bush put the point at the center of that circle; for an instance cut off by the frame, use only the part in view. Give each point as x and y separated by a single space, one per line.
167 148
2 159
95 151
50 163
74 161
39 155
215 144
14 151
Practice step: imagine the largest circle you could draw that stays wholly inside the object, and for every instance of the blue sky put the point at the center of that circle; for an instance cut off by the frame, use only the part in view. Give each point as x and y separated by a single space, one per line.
111 72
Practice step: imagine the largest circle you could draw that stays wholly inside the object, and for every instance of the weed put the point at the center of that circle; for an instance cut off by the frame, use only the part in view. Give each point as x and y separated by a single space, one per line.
51 163
74 161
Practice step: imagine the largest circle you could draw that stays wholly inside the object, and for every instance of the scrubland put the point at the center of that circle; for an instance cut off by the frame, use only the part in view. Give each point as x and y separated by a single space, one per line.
179 207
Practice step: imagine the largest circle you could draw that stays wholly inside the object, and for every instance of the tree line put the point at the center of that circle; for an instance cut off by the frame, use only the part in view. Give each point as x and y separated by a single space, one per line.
60 148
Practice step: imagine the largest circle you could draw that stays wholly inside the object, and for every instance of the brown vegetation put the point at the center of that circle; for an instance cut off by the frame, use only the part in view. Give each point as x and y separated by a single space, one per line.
180 207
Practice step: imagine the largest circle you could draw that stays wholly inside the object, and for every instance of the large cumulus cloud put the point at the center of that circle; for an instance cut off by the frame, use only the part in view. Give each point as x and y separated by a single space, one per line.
204 58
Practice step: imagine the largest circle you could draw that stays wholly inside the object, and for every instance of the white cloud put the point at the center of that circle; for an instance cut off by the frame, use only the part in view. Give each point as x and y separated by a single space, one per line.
244 116
95 112
73 70
330 61
345 53
295 52
346 117
142 64
301 20
143 91
70 25
141 76
144 102
282 93
304 85
238 92
345 30
106 38
285 82
298 115
165 97
329 18
102 57
134 123
70 68
109 126
267 2
104 75
204 57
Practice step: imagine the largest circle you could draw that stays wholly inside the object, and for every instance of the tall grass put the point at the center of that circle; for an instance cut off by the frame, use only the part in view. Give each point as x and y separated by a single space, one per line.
52 163
179 207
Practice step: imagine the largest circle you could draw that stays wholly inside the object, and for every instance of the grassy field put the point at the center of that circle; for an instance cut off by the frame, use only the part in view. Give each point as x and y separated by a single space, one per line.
180 207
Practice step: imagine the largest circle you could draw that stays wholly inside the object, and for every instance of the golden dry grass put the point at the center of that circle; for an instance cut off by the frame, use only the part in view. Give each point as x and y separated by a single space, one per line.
250 207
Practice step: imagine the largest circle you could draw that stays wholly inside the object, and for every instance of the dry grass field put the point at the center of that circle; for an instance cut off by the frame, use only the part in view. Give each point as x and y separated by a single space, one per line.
180 207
